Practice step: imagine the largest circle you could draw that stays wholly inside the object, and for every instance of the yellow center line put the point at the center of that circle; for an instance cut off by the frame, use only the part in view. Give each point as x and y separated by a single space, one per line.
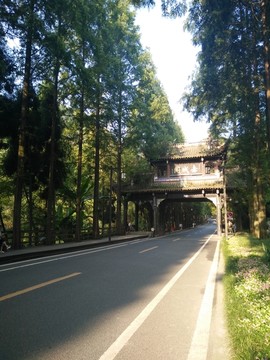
152 248
38 286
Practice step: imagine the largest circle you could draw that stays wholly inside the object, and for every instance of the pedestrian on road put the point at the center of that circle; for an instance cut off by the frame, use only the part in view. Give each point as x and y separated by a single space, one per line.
3 243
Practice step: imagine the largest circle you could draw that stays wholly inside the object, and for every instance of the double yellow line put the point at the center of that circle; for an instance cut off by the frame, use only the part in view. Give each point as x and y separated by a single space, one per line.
38 286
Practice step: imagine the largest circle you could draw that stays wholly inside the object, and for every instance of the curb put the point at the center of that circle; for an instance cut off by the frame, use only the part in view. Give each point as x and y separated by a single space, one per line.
42 251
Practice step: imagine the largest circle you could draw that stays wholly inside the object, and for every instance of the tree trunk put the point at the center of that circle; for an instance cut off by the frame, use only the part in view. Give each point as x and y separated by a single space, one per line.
50 225
119 181
79 172
22 129
258 131
266 42
3 228
29 197
97 161
259 210
119 170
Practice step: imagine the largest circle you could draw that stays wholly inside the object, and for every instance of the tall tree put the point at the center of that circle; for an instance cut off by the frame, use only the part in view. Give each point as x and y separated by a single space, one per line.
81 59
26 29
57 27
99 67
265 18
229 86
80 65
124 52
78 76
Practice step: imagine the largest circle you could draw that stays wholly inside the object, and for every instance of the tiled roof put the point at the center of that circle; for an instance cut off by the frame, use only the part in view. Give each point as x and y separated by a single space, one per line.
176 186
195 150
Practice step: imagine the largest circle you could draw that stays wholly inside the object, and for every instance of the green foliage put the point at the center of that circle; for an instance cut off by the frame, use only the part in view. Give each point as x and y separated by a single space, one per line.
247 297
9 113
6 67
136 168
85 74
170 8
229 89
266 251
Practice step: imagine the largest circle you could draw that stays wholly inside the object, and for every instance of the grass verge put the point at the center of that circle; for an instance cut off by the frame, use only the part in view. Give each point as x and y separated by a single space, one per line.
247 296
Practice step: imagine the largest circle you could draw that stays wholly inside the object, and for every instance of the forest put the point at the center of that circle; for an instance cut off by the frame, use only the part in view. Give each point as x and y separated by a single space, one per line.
80 101
79 96
232 90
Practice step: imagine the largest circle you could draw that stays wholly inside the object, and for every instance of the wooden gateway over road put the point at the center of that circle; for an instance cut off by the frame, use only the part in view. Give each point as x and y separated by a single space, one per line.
192 172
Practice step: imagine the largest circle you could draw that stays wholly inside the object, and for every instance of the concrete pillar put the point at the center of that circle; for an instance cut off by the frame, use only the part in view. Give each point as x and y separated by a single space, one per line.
219 225
155 209
125 214
168 170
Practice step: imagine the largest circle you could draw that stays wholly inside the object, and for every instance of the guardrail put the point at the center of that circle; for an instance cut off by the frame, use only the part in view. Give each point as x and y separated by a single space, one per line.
38 237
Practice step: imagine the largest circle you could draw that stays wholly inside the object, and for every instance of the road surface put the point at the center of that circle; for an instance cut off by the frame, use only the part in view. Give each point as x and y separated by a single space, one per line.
147 299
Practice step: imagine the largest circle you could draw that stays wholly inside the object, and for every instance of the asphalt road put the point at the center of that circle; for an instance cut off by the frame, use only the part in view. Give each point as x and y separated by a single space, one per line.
147 299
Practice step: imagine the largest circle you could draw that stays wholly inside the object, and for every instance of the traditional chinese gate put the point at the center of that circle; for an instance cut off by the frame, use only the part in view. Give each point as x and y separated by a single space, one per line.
192 172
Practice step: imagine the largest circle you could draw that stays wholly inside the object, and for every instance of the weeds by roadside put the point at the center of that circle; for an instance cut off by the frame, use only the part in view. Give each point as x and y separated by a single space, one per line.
247 296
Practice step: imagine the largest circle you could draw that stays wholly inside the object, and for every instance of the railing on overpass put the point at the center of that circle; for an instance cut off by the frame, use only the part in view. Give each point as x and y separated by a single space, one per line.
177 183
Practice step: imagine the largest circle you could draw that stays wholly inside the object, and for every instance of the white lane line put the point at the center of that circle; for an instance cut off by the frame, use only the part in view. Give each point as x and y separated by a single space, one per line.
149 249
75 253
59 257
122 340
177 239
199 345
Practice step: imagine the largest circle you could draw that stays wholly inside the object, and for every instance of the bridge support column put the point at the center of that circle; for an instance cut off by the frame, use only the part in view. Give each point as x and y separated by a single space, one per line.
125 214
155 211
219 225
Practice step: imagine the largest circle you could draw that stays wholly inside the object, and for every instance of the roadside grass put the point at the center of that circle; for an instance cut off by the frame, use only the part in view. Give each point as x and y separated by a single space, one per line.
247 296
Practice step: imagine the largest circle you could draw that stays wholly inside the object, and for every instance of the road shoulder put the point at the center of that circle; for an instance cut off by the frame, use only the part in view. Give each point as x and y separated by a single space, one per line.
219 348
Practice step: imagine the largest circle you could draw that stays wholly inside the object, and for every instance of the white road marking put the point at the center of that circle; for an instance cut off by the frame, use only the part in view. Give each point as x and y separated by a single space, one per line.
59 257
149 249
199 345
122 340
50 258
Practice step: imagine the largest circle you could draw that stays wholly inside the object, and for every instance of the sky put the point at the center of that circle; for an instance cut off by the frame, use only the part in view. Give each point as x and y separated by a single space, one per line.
175 59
